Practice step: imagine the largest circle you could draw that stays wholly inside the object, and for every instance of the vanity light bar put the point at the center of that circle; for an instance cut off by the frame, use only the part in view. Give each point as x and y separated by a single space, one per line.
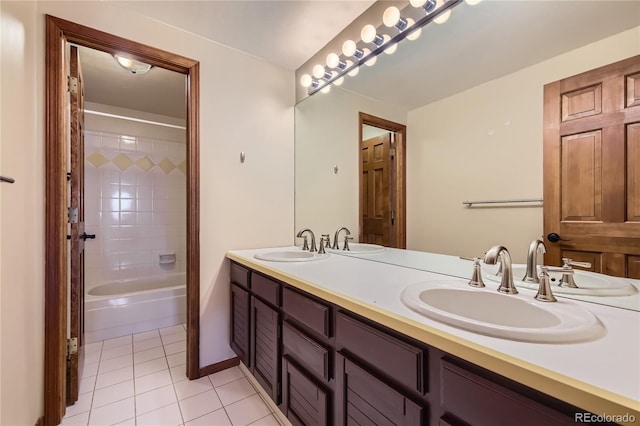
316 84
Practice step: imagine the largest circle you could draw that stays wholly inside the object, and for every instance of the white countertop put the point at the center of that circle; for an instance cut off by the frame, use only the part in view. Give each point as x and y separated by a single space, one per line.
607 368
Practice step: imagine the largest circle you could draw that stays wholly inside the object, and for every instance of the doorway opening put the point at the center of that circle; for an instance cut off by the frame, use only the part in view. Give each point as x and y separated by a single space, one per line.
382 189
60 34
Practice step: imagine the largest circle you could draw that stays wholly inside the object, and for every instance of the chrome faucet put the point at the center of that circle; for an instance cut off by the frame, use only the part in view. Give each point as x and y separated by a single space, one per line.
335 237
531 276
476 278
313 240
500 253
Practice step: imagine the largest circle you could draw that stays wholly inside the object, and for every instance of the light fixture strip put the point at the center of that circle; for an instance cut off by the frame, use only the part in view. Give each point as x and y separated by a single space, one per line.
395 39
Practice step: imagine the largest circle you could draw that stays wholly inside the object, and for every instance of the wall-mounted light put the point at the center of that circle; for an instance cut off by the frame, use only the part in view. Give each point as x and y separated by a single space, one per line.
131 65
396 26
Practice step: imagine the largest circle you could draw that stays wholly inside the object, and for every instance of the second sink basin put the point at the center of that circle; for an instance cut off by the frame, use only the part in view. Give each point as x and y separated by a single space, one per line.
514 317
290 256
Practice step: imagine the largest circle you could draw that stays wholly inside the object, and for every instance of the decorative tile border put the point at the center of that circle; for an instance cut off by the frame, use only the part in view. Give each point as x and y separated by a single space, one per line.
123 161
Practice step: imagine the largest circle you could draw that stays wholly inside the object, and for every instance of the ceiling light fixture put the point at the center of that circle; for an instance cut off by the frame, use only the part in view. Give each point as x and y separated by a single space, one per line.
132 65
385 38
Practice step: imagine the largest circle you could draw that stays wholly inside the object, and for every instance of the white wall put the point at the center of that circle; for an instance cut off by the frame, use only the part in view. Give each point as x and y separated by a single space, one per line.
246 104
483 144
22 212
327 135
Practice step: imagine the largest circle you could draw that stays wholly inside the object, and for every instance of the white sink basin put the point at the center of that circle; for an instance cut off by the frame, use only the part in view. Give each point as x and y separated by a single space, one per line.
290 256
360 248
589 283
514 317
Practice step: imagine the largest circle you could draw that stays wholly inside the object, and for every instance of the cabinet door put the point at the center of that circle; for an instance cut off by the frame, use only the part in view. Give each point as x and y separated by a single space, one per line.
240 323
304 402
265 356
362 399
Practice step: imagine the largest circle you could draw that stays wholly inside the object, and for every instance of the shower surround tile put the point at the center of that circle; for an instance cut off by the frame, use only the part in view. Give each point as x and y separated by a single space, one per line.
133 182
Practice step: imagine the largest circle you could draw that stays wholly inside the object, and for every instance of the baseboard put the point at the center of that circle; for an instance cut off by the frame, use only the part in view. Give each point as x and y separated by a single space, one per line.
218 366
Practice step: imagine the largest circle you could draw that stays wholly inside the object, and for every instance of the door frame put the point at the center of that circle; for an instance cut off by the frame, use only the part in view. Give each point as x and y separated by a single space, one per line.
399 174
58 32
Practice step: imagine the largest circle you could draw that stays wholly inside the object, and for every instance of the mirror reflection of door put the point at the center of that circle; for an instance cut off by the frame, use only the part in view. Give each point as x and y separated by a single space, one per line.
382 193
591 173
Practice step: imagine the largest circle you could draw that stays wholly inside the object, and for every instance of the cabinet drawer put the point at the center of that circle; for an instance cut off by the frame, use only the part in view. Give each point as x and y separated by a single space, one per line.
399 360
479 400
305 350
304 402
240 275
313 314
266 288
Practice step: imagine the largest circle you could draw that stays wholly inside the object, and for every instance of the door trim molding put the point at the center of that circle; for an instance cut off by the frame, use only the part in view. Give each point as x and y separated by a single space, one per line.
400 174
59 31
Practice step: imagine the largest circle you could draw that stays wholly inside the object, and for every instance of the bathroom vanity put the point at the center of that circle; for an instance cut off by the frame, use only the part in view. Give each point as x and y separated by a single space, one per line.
330 342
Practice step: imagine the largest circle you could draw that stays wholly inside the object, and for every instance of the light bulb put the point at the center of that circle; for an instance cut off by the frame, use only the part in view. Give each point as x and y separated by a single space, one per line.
417 3
391 16
371 62
339 81
368 33
391 49
472 2
443 17
332 60
413 34
305 80
326 89
318 71
349 48
354 71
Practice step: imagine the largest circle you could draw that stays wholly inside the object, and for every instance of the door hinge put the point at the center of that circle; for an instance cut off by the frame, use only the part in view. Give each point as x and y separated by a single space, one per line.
393 216
73 215
392 152
72 346
72 84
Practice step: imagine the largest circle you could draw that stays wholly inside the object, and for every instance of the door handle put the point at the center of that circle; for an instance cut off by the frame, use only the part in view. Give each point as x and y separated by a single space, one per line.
554 238
86 236
7 179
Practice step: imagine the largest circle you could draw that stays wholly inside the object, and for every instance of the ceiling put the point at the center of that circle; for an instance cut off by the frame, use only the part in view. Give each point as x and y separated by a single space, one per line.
478 43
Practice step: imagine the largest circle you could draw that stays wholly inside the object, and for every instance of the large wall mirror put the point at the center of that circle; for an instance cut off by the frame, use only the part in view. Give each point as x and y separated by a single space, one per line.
470 92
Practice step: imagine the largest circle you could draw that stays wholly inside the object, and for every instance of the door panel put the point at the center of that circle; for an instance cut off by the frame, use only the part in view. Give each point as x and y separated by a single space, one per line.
375 190
76 180
591 168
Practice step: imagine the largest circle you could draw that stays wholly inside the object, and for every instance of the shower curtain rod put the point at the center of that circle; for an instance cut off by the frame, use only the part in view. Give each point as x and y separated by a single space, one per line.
139 120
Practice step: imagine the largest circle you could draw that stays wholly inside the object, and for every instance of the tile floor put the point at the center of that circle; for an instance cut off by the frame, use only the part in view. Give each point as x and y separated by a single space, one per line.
140 380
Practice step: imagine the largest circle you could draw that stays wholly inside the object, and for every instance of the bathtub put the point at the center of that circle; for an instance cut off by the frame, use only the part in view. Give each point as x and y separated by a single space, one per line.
118 308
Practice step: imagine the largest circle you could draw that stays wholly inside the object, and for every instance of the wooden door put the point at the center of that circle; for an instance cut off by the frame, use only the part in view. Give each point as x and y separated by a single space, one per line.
78 235
375 191
592 169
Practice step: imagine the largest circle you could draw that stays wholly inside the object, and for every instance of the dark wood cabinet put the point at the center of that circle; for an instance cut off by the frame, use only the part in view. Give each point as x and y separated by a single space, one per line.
364 399
240 323
265 349
324 365
305 400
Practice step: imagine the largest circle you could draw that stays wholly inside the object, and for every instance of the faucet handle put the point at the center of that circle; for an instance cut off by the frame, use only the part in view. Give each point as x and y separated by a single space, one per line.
321 249
567 263
327 240
346 243
544 289
476 278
